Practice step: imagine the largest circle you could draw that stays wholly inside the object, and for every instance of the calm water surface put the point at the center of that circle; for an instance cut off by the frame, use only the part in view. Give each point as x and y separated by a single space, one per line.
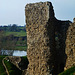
13 52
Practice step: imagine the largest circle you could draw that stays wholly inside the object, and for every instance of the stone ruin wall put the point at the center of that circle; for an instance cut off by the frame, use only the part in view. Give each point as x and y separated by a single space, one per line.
60 37
45 53
39 33
70 46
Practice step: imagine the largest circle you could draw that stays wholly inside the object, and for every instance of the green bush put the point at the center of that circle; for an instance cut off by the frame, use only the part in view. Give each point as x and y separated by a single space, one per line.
69 71
13 70
2 69
3 73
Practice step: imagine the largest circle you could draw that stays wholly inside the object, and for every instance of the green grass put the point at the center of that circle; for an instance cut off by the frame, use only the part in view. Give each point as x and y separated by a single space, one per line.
21 48
2 69
69 71
13 70
14 44
21 42
17 34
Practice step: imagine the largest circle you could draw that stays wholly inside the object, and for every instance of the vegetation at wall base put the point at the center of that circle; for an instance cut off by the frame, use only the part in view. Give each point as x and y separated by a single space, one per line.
13 70
69 71
2 69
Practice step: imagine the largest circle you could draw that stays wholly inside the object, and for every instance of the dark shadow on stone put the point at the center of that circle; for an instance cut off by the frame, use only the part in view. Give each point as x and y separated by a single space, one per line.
58 55
61 67
24 63
62 31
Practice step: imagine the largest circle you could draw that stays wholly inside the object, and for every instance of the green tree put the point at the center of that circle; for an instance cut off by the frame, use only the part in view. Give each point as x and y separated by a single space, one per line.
13 27
1 39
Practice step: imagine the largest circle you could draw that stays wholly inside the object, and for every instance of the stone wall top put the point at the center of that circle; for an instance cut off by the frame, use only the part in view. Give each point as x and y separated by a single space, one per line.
74 20
40 9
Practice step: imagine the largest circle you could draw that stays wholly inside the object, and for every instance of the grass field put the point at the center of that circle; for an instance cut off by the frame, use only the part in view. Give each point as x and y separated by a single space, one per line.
9 42
17 34
20 48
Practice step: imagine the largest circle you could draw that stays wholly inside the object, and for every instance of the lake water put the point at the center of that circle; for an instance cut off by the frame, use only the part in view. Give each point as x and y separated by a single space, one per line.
13 52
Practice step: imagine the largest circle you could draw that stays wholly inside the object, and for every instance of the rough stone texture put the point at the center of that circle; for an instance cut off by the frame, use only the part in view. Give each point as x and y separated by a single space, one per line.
70 46
39 32
46 38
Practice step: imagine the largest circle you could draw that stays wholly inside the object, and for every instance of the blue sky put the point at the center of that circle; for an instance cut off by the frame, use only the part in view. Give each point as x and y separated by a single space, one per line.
13 11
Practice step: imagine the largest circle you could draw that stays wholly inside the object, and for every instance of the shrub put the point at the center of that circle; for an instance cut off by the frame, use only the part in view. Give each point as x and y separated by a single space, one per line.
69 71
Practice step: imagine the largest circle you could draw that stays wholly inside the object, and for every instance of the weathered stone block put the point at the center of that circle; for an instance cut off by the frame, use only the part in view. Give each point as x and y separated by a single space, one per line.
70 46
39 38
46 38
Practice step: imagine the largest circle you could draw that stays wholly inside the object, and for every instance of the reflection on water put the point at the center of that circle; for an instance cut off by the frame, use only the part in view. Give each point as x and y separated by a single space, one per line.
19 53
13 52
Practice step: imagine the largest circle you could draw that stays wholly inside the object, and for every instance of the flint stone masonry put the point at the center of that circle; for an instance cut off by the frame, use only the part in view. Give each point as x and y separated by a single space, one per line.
46 38
39 33
70 46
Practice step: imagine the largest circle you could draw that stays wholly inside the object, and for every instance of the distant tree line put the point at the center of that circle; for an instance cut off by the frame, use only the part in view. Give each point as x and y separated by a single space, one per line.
13 28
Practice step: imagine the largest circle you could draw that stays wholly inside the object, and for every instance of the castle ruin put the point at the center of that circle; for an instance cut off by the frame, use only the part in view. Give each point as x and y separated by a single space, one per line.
47 52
